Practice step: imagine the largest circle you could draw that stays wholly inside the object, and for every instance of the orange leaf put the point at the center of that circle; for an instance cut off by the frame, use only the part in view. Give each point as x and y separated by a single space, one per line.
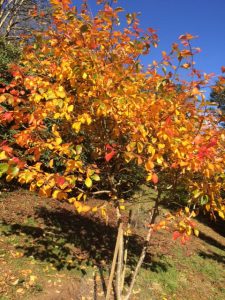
155 178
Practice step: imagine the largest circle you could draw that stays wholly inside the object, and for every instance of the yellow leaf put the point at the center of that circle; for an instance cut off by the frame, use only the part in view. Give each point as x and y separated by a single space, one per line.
37 98
76 126
40 182
197 193
84 76
196 232
50 95
88 182
70 108
61 92
58 140
72 200
183 163
77 204
57 115
207 206
51 163
188 230
57 194
3 155
151 150
58 102
149 177
140 147
85 208
131 146
88 120
94 209
159 160
80 196
161 146
221 214
122 207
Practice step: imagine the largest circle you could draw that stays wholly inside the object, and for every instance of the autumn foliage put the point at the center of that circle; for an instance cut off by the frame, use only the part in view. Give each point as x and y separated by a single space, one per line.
83 115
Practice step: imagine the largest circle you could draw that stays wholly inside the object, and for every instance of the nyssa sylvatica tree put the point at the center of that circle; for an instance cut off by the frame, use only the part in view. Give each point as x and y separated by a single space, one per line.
83 117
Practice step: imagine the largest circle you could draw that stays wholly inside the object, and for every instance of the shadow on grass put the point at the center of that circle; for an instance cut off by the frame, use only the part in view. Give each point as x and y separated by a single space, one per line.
212 255
211 241
68 240
218 226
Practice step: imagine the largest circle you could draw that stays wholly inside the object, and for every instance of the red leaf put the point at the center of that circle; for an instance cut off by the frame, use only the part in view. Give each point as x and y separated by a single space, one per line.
60 180
110 155
176 235
7 149
155 178
14 92
15 160
7 116
223 69
108 147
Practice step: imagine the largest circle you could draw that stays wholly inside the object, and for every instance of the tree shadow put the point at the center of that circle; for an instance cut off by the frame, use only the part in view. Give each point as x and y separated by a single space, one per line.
218 225
212 255
211 241
69 240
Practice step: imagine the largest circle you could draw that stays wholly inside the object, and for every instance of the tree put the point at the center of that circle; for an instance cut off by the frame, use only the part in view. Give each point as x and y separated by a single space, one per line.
22 16
82 116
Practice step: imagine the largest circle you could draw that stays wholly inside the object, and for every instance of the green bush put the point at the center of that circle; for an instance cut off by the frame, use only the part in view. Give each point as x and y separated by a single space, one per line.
9 53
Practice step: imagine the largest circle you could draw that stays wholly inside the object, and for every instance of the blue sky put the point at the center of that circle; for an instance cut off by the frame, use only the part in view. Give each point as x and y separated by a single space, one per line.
171 18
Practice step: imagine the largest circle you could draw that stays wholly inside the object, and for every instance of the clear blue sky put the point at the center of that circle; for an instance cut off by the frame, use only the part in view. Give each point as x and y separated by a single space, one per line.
171 18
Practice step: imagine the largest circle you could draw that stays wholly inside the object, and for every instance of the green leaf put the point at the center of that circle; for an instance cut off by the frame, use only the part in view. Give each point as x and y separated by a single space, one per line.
204 199
78 149
88 182
3 168
13 171
95 177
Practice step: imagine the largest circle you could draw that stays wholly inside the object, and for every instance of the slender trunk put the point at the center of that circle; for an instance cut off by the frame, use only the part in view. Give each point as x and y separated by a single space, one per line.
114 262
126 251
153 215
119 286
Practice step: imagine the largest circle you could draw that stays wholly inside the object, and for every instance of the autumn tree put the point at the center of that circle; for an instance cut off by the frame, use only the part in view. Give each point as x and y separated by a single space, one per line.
82 117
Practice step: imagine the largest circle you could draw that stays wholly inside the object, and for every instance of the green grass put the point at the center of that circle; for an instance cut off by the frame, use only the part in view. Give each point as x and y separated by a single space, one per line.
161 281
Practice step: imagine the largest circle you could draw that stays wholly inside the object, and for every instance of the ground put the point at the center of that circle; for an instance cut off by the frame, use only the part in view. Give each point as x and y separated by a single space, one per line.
48 251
